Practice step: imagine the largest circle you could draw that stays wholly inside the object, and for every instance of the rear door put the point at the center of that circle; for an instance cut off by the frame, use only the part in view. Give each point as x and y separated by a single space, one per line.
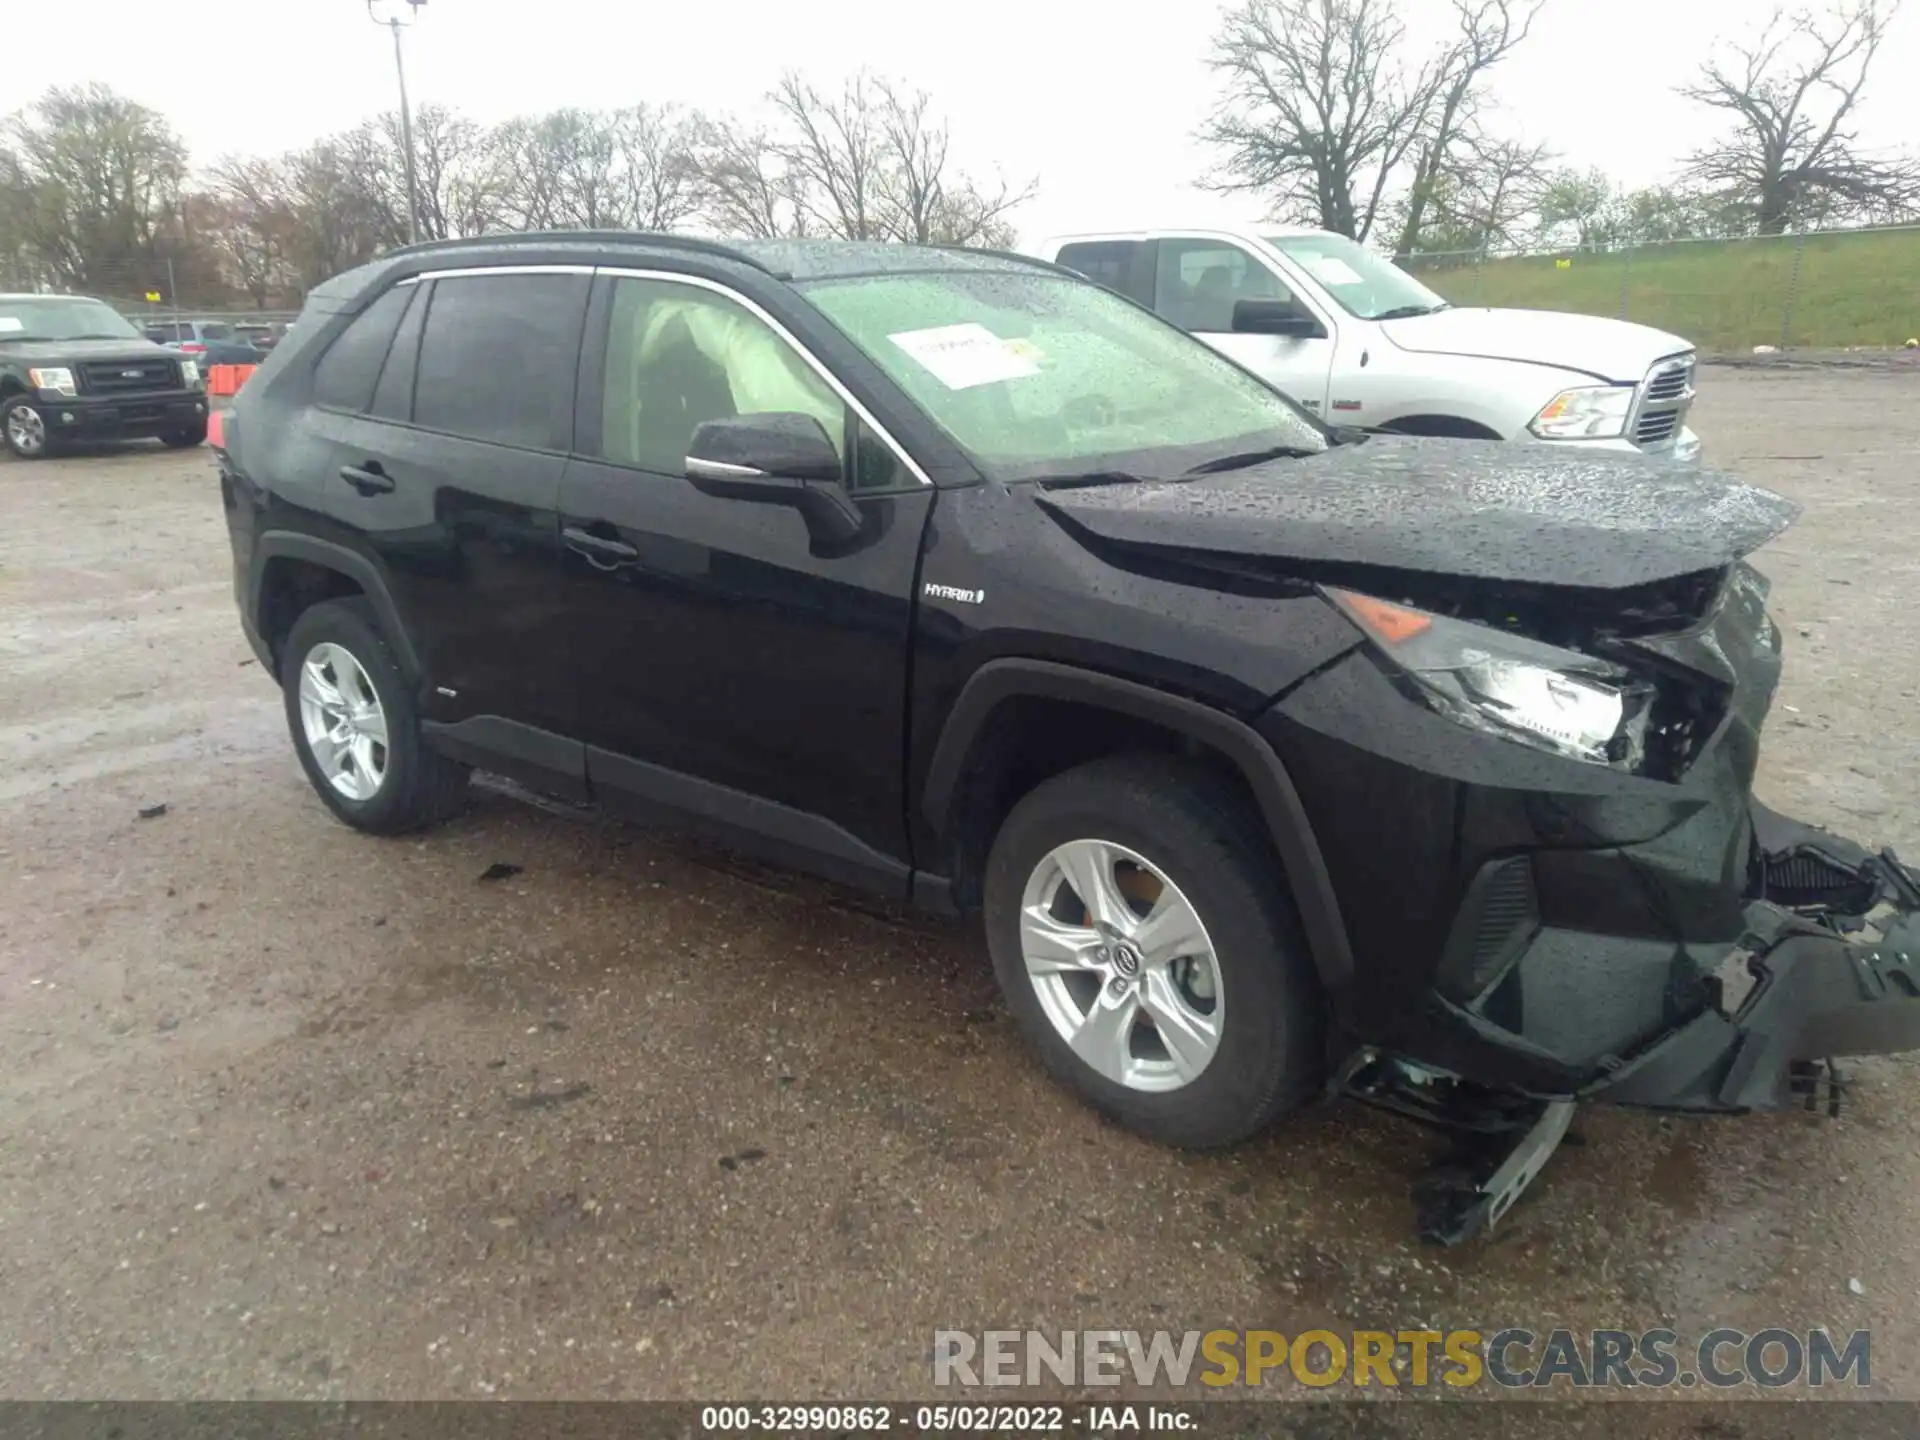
1197 282
726 670
447 466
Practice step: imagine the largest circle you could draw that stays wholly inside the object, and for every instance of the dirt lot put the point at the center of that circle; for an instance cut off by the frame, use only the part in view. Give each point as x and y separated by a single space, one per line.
288 1111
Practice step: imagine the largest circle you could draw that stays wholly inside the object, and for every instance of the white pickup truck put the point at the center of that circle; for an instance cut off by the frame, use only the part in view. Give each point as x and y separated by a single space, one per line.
1359 341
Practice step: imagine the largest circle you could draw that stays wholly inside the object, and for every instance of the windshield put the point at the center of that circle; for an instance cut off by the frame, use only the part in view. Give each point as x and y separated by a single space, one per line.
1363 283
53 318
1034 374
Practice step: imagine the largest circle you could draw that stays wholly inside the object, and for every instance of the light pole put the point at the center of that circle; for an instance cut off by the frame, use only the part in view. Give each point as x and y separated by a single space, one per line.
396 24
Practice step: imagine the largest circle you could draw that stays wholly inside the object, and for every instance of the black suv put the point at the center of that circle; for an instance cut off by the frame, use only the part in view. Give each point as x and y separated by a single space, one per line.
1276 757
72 368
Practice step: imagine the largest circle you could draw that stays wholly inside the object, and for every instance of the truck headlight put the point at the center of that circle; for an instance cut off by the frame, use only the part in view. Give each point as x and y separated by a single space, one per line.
1555 700
57 378
1591 412
190 374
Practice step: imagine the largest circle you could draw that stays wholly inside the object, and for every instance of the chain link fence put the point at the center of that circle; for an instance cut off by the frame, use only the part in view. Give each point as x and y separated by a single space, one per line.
1837 289
151 290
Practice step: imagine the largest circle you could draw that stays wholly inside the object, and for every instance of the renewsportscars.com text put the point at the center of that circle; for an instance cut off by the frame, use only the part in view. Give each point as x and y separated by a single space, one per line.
1512 1358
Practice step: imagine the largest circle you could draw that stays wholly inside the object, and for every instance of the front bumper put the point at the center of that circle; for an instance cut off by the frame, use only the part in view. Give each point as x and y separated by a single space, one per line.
120 417
1682 449
1825 983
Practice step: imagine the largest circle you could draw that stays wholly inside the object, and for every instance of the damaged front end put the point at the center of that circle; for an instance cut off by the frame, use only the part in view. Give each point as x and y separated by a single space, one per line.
1830 968
1614 917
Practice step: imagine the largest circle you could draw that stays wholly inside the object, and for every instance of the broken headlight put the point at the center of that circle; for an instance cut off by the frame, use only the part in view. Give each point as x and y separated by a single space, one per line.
1555 700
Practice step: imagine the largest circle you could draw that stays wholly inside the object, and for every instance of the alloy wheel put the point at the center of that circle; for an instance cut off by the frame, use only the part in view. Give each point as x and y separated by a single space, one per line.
345 724
26 431
1122 965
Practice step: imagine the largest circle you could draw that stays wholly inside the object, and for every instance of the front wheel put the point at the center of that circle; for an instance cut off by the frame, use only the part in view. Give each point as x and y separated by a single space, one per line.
1143 939
25 431
186 437
355 726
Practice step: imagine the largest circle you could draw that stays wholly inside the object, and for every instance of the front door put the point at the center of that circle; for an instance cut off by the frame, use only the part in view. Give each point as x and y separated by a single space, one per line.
727 674
1197 282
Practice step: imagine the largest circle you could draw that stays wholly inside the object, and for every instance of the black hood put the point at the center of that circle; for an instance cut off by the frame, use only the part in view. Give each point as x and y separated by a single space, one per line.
1480 510
61 352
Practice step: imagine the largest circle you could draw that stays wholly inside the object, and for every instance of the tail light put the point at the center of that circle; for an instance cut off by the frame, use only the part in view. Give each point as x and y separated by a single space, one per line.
217 429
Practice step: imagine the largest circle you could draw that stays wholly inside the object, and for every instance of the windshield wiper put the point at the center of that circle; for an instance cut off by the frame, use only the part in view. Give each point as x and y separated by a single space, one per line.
1251 457
1408 312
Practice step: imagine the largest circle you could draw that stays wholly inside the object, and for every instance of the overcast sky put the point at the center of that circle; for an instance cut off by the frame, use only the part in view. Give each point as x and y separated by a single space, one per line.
1098 100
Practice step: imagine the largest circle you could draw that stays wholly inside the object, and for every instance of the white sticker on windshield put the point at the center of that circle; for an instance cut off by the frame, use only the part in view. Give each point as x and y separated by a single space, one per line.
962 356
1332 270
11 325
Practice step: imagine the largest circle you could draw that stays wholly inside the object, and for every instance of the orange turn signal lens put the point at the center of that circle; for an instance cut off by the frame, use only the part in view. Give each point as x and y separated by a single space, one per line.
1386 622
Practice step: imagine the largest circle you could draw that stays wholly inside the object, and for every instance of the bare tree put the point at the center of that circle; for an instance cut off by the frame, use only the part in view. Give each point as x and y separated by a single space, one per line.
747 187
659 165
458 180
836 148
100 180
1488 32
253 224
926 204
1485 196
1318 111
1585 205
1792 154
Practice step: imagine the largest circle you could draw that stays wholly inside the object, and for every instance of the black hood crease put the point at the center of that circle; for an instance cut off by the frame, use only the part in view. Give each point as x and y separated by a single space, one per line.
1477 510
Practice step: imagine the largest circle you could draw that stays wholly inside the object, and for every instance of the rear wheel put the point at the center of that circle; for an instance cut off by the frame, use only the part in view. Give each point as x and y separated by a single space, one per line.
355 726
25 432
1142 938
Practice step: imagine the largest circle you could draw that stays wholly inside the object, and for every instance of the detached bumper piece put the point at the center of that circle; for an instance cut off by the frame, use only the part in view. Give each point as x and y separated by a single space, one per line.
1831 968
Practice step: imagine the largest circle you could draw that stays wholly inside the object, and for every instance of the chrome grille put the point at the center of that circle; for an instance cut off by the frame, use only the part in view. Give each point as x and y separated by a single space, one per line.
1656 426
1665 397
128 377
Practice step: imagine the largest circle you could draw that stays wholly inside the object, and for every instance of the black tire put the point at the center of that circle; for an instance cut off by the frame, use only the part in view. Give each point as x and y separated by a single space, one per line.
187 438
7 428
1203 834
420 786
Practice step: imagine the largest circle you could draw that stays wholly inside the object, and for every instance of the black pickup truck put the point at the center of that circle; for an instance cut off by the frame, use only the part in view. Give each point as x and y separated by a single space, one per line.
71 368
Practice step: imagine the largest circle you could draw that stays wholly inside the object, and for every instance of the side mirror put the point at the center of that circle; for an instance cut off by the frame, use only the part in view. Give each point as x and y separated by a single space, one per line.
1275 317
776 458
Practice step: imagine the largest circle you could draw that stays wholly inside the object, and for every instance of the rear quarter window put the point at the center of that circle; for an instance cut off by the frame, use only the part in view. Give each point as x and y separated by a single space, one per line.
345 376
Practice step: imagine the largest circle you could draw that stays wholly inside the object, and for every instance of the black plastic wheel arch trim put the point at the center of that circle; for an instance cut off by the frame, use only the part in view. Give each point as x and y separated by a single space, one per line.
291 544
1300 856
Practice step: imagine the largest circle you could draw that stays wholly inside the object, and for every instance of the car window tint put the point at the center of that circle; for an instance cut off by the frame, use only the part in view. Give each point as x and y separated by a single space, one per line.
1105 262
678 356
393 396
344 378
498 357
874 466
1198 282
216 332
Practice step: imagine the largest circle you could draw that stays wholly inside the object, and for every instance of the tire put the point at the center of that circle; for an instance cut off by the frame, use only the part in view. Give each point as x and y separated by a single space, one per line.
1202 836
401 785
185 439
23 430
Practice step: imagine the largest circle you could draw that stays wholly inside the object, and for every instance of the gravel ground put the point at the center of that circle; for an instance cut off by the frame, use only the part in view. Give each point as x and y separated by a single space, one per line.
293 1112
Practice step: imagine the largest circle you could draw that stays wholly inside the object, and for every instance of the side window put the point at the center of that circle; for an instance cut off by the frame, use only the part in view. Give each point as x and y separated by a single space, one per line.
678 356
498 357
216 332
393 396
343 380
1198 282
1105 262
